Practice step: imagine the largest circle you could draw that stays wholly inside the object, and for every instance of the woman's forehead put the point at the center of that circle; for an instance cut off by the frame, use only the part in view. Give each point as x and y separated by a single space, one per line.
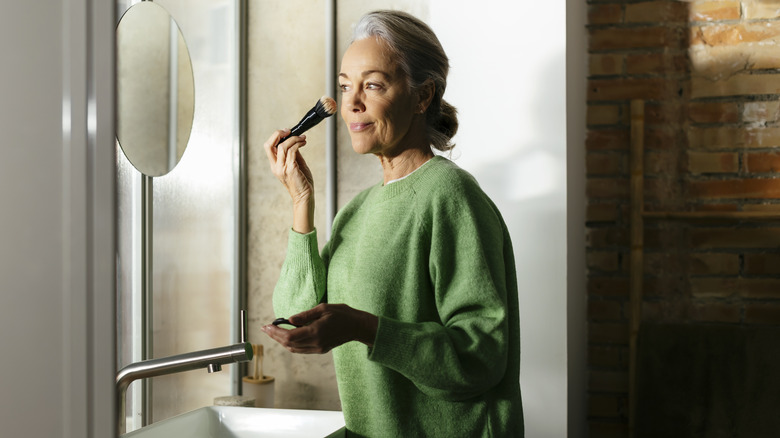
368 56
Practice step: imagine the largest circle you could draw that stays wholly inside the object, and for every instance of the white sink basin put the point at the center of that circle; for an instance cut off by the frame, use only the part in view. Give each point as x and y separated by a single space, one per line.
236 422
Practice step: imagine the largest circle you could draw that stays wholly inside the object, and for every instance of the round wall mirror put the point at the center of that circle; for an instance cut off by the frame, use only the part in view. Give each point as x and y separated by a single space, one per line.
155 89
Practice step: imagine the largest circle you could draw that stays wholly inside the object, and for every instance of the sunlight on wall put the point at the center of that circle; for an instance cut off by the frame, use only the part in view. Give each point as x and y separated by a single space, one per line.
507 80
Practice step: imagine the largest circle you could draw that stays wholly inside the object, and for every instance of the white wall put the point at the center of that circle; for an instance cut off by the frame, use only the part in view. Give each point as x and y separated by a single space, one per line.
508 81
56 219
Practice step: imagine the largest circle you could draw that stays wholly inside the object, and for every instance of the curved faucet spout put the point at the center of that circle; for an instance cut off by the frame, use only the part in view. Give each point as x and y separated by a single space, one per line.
213 359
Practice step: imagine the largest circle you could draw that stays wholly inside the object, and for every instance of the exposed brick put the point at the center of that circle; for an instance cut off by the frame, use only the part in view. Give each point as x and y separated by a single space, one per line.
637 38
736 85
713 138
602 212
607 139
765 288
734 34
608 381
713 264
662 190
762 162
607 356
656 12
713 112
605 64
631 88
666 113
666 137
762 264
666 239
605 310
762 56
692 264
715 207
767 237
596 188
660 162
736 188
665 286
716 63
605 14
605 261
713 162
761 112
655 63
713 10
714 287
667 311
762 313
765 207
731 137
607 237
605 163
603 115
715 312
758 10
608 286
701 271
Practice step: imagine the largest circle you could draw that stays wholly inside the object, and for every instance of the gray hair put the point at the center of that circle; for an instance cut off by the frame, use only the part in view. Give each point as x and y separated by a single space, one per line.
421 57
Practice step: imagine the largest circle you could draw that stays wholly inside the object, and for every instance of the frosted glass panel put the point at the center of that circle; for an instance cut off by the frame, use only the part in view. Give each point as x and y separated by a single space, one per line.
194 216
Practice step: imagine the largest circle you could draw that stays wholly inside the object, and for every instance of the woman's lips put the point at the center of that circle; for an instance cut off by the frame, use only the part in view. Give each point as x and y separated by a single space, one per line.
357 127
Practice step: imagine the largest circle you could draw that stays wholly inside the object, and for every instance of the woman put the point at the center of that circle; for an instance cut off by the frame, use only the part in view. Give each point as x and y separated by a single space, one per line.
416 290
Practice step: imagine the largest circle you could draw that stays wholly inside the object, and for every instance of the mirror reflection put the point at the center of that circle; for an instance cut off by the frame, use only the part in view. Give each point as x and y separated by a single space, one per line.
155 89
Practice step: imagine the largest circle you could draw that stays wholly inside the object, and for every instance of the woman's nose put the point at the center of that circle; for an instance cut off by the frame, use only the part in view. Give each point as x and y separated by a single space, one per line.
355 102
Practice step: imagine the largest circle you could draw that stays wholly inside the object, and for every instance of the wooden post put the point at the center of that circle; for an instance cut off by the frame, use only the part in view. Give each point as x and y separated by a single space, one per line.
637 248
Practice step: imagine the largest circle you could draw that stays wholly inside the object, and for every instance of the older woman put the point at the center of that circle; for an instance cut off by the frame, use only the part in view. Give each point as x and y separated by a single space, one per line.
416 290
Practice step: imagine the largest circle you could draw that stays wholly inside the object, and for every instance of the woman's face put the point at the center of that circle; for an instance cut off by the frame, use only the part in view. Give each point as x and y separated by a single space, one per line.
377 105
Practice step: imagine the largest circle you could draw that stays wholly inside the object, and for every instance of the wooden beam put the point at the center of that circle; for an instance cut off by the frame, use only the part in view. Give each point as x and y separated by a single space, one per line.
713 215
637 249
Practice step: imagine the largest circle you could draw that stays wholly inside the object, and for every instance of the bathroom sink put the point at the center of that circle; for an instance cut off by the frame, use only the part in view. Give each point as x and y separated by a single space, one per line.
238 422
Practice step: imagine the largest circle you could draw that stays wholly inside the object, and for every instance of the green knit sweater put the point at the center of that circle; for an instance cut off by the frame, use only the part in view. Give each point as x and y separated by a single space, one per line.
429 255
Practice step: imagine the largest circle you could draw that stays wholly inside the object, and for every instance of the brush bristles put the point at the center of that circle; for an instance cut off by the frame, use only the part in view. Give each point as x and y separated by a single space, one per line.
326 107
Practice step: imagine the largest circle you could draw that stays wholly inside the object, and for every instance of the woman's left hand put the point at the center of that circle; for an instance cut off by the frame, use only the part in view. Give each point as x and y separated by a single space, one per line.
324 328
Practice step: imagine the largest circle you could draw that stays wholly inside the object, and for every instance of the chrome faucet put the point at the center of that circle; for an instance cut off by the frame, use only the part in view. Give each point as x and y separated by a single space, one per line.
211 359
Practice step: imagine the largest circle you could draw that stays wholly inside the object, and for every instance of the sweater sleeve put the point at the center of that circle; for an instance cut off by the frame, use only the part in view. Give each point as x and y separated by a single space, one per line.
464 354
301 284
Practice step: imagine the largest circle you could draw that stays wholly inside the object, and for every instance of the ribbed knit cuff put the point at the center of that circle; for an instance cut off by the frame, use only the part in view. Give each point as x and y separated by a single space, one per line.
300 249
391 344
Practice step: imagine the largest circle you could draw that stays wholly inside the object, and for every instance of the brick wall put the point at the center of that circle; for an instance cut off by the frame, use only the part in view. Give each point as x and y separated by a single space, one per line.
710 73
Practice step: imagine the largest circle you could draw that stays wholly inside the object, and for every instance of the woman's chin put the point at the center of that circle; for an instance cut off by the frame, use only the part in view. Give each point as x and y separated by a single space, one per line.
362 148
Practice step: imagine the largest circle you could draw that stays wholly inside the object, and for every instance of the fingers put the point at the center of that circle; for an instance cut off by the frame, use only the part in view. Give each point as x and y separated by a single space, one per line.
270 144
277 152
308 316
301 340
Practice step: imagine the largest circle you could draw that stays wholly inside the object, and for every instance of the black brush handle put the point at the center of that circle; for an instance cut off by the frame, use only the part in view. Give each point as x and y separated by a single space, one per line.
308 121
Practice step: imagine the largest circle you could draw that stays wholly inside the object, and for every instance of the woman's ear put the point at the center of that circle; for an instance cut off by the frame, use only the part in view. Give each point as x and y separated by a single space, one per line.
425 95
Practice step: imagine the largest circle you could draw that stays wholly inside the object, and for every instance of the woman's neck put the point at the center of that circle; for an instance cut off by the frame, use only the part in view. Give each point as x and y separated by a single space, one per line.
403 164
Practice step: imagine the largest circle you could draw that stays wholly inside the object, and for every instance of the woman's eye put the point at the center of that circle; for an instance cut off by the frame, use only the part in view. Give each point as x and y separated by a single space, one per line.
344 88
373 86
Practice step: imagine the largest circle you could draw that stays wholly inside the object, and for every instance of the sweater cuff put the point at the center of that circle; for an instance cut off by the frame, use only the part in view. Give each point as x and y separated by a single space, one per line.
391 343
301 248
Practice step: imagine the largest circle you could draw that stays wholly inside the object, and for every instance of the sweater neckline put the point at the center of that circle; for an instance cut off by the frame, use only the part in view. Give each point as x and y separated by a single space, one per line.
387 191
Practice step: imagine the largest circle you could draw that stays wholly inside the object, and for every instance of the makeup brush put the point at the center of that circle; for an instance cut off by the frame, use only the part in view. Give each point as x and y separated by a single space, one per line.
324 108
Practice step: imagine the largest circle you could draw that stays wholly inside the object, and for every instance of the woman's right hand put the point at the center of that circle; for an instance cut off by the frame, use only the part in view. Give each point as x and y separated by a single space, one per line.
290 168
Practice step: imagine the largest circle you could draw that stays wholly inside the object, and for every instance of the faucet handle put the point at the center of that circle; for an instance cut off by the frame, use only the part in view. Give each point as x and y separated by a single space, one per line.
243 328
